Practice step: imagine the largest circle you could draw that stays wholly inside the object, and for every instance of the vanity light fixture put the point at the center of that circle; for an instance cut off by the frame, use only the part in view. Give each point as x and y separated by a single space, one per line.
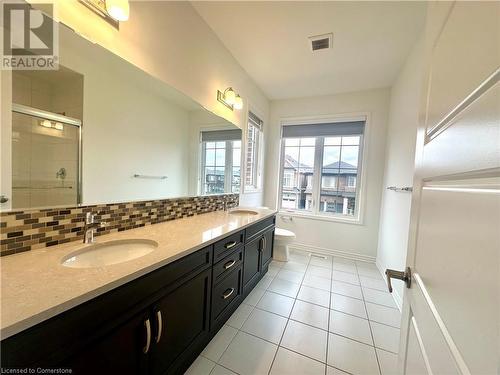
113 11
230 99
118 9
238 102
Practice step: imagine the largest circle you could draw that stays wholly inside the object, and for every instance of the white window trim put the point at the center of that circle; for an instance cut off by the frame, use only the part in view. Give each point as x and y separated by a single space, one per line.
260 156
358 218
228 169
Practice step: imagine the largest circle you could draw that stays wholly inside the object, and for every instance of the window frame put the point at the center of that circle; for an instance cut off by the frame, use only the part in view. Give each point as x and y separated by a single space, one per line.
316 214
228 168
258 162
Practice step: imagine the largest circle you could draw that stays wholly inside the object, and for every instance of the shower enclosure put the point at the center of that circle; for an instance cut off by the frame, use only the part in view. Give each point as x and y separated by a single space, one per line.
46 157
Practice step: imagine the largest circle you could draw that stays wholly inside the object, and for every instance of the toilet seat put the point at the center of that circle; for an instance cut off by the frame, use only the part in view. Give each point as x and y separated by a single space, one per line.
284 233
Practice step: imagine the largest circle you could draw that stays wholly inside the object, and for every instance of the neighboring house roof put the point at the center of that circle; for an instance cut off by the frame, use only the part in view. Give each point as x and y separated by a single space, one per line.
330 169
212 171
339 164
292 163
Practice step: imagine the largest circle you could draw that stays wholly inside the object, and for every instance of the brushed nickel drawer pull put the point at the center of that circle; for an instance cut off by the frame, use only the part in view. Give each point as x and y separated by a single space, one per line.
159 320
229 264
147 324
230 245
228 293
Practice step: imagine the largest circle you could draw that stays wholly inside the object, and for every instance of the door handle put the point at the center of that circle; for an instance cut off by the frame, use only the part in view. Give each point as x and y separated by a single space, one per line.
147 325
229 264
230 245
3 199
159 321
400 275
228 293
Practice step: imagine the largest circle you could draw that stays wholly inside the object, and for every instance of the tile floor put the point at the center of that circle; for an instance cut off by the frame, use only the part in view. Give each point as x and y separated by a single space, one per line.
309 316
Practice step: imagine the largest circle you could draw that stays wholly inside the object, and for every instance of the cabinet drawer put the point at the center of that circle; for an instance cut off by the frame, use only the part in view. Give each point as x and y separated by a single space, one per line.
225 292
228 264
257 228
229 244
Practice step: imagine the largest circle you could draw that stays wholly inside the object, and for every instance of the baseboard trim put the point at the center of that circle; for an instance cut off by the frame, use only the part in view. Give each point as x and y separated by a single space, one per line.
325 251
395 294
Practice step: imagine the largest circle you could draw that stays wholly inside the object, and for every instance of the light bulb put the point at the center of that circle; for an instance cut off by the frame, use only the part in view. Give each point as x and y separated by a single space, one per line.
46 123
59 126
118 9
230 96
238 102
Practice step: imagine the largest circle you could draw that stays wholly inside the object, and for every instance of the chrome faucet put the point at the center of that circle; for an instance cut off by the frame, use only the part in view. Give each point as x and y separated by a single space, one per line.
89 227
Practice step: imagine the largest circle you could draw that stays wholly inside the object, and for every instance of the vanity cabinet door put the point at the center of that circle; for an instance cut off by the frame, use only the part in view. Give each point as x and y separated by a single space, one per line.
267 248
121 351
181 325
251 265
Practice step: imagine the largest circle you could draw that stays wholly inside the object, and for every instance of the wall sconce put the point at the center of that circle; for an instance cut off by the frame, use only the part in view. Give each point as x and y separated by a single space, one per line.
113 11
230 99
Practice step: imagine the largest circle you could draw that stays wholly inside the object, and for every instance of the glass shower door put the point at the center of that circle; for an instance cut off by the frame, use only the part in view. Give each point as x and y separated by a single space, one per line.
45 162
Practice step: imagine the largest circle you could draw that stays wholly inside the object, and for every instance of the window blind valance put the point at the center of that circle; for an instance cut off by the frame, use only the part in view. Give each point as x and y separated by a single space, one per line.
333 129
221 135
254 120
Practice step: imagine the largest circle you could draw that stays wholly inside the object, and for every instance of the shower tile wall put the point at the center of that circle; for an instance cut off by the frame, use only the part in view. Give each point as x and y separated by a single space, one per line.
38 153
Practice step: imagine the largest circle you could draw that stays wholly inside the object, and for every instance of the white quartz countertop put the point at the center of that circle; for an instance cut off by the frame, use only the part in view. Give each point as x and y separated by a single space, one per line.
35 286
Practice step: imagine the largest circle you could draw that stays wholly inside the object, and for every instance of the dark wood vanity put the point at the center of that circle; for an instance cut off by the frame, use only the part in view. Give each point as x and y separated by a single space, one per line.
156 324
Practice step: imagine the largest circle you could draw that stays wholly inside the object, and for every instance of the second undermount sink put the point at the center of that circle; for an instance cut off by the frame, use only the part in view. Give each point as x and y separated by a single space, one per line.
110 252
243 212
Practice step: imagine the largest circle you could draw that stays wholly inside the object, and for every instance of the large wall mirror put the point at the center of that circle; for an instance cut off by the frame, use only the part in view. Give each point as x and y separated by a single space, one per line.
100 130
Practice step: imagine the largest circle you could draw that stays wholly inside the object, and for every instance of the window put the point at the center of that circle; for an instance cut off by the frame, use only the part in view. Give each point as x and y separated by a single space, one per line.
220 162
254 140
320 168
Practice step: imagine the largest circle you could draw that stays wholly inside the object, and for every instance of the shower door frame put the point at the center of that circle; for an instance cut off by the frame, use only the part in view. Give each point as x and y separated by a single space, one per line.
46 115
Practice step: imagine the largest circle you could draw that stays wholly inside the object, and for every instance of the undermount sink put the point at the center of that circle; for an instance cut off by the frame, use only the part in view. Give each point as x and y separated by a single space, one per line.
243 212
107 253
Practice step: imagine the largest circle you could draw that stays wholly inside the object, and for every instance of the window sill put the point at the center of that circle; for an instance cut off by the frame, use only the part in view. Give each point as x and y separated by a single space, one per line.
335 219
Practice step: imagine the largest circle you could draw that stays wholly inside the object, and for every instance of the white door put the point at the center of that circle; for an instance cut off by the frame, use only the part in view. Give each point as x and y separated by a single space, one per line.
451 311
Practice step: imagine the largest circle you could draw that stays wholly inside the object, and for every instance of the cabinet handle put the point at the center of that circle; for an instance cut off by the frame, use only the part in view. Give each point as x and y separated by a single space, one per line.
159 320
147 324
230 245
229 264
228 293
261 244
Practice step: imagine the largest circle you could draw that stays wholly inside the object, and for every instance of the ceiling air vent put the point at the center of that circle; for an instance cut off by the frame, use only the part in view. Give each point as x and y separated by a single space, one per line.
320 42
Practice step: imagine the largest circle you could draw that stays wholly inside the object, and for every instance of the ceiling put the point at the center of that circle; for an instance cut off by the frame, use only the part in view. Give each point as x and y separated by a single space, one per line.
371 41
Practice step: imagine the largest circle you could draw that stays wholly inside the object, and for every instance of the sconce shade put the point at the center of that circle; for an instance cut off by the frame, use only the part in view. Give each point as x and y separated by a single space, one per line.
118 9
230 96
238 102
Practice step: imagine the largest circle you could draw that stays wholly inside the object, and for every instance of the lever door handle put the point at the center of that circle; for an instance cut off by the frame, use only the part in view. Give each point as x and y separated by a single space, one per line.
3 199
400 275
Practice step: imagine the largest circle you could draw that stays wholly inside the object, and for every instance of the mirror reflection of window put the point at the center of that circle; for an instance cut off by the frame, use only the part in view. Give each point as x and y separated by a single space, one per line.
220 162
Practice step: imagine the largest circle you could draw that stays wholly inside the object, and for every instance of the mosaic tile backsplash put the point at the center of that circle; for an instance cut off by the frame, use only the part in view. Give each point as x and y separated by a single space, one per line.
33 229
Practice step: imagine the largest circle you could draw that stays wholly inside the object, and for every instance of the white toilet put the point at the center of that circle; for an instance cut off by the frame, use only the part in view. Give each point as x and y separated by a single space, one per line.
282 238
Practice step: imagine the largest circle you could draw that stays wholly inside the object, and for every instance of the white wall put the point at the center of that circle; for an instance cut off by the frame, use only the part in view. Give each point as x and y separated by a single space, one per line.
128 128
357 240
399 164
